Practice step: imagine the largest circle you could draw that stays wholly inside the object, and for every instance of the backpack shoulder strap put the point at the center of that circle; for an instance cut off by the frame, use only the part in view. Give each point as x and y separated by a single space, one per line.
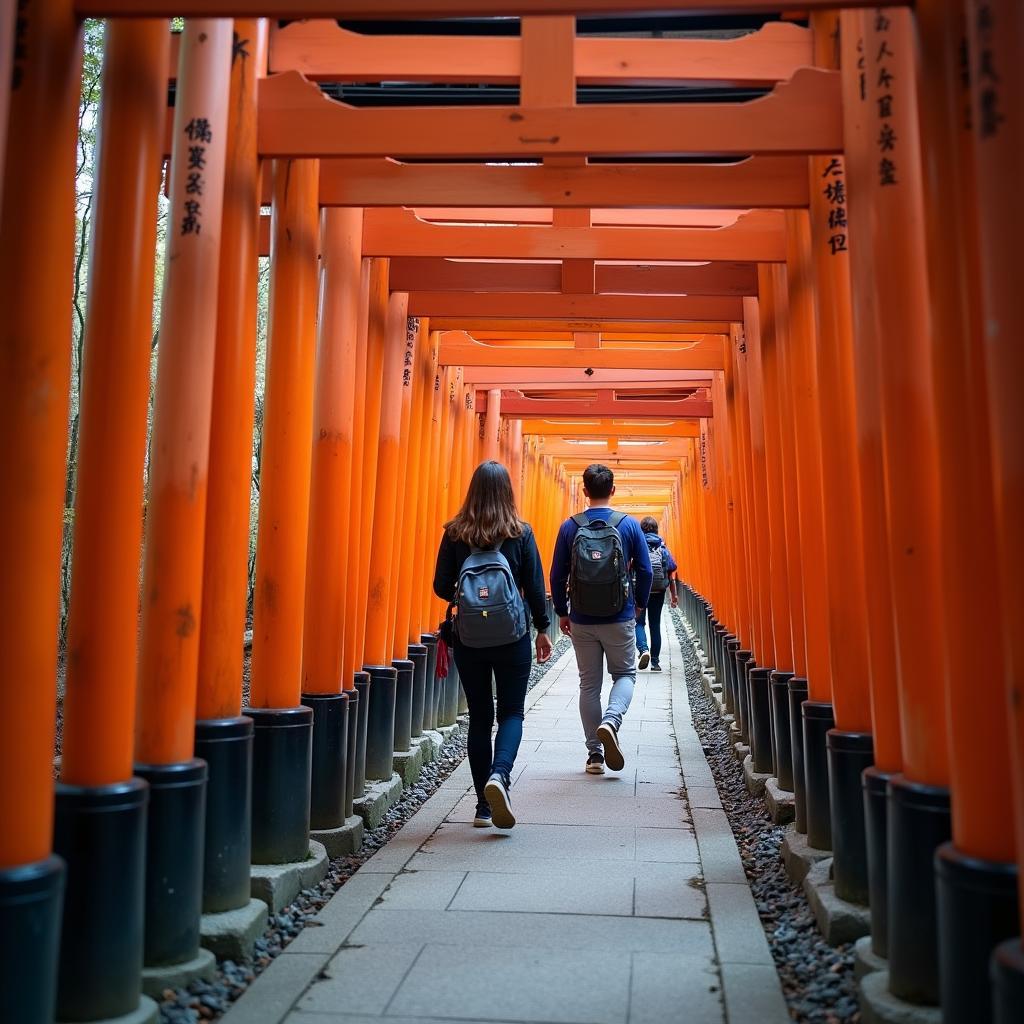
615 518
581 519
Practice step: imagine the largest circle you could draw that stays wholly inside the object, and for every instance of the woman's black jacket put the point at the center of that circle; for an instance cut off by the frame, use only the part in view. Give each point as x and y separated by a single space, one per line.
523 558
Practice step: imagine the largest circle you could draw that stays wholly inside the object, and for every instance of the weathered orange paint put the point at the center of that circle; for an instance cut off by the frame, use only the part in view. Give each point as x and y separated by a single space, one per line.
38 228
282 533
226 547
330 552
103 618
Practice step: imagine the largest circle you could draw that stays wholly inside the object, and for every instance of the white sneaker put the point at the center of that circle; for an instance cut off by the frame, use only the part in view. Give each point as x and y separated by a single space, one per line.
612 751
645 660
496 792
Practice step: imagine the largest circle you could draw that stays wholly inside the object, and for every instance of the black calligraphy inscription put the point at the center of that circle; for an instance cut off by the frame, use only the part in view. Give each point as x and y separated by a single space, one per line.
887 137
986 74
835 192
199 134
20 44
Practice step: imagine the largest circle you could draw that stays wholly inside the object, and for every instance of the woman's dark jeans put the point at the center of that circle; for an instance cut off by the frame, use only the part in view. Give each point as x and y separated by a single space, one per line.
652 614
509 665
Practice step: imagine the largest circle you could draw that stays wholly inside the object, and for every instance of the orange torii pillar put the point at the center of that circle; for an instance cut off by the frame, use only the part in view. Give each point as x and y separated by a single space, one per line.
492 427
888 232
354 680
771 279
38 234
976 873
282 743
866 367
800 382
850 747
331 544
380 729
172 581
223 733
996 28
100 807
417 571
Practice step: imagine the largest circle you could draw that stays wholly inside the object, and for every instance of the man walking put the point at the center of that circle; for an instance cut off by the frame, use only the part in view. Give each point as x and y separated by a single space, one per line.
596 554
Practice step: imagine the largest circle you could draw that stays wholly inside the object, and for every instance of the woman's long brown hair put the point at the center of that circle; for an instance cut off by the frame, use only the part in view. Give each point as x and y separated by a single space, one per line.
488 515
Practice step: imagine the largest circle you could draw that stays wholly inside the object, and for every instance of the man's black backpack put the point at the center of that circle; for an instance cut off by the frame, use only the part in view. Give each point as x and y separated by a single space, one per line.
598 578
660 577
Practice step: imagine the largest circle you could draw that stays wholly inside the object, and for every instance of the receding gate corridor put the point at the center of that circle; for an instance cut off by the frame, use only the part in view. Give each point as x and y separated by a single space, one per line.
519 520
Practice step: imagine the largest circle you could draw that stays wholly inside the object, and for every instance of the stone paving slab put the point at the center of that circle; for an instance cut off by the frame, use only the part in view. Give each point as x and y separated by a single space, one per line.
615 900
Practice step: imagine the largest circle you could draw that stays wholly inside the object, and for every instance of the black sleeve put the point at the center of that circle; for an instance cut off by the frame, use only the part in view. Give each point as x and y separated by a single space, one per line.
532 581
446 572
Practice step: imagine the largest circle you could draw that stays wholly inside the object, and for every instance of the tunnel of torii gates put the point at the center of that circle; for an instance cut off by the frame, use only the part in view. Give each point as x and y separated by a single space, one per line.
789 316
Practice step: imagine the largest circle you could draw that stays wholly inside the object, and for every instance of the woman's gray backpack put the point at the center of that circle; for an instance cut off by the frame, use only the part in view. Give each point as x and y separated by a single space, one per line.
489 606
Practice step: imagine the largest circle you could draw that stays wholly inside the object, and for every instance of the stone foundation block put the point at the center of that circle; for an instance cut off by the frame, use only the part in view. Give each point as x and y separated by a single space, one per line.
798 856
879 1006
408 764
781 802
865 959
156 979
343 840
278 884
755 781
741 750
838 921
232 934
430 744
378 799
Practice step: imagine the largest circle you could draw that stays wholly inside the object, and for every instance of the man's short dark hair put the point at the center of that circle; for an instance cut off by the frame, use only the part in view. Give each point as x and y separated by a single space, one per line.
599 481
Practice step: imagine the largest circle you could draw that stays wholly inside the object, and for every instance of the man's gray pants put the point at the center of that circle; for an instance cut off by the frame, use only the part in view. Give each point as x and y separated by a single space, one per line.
616 642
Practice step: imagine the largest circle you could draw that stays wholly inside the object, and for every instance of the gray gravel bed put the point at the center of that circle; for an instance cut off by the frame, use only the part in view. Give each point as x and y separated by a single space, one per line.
817 980
208 1000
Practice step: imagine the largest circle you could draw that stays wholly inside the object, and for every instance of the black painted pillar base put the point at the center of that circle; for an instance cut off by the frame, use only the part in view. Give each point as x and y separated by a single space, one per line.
875 784
329 762
418 657
225 744
1007 972
351 743
406 669
849 755
429 680
282 756
740 661
732 645
175 851
919 822
361 683
797 696
977 906
782 747
380 722
31 896
452 686
760 720
817 720
100 832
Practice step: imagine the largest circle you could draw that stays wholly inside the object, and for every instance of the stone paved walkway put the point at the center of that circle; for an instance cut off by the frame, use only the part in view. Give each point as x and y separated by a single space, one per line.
617 899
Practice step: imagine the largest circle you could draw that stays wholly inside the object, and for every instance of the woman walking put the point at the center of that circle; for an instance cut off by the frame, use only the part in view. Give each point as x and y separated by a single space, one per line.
663 567
487 563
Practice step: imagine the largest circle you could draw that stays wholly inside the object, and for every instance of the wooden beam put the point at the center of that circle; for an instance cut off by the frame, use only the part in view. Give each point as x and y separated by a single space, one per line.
323 51
570 378
637 330
662 308
514 406
544 215
758 182
802 115
387 9
434 274
564 426
703 356
756 237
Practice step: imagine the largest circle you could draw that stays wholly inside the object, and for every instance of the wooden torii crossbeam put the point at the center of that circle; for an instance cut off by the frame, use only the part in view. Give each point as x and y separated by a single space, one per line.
607 403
